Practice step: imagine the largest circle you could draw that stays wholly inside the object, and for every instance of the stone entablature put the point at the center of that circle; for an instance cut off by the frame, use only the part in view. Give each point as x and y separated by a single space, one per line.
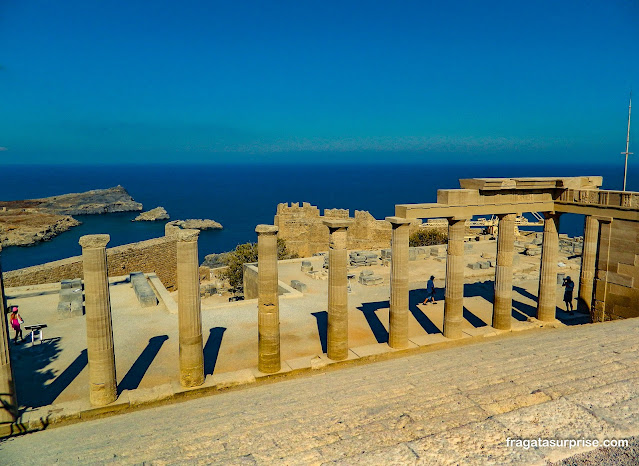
305 233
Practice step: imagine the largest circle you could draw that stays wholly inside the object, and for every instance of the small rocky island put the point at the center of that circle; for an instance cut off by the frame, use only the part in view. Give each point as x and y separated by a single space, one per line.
159 213
197 224
26 222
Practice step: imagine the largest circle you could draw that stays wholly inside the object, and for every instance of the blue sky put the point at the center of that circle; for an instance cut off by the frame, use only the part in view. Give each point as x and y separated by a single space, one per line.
208 81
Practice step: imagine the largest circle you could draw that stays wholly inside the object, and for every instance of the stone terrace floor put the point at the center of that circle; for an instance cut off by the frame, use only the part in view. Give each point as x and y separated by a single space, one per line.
453 406
146 339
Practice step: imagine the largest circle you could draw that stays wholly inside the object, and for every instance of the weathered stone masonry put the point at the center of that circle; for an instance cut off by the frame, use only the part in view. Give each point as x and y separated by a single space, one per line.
155 255
305 233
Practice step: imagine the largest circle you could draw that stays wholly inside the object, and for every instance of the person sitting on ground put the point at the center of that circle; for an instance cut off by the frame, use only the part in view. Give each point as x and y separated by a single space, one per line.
570 286
16 320
430 290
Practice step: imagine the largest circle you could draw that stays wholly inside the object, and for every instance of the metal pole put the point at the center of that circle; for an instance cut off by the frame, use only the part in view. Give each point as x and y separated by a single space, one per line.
625 168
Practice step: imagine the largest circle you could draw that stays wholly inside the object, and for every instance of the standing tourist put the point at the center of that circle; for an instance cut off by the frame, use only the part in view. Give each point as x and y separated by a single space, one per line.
430 291
570 286
16 320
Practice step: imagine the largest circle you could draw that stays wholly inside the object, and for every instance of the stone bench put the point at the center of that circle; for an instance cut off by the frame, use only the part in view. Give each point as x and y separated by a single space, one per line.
143 291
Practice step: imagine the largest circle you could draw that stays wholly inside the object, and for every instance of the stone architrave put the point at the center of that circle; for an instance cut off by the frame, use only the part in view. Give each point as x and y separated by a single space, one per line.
502 306
8 406
454 296
268 316
189 310
588 258
337 344
101 356
547 296
398 315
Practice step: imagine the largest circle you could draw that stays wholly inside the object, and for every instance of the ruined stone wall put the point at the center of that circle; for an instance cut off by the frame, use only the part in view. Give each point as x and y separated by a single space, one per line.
305 234
157 255
617 274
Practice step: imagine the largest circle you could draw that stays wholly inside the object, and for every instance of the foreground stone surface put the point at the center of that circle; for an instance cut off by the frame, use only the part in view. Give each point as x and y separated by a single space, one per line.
457 405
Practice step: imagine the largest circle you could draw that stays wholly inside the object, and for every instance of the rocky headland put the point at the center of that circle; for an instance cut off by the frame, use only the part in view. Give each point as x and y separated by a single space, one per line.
159 213
27 222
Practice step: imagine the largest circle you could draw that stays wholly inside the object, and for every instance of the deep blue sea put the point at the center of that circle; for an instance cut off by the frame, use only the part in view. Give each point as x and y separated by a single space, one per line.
242 196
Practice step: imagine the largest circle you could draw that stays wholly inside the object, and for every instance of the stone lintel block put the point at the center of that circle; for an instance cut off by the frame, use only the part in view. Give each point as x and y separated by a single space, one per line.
336 224
94 241
187 235
266 229
398 221
458 197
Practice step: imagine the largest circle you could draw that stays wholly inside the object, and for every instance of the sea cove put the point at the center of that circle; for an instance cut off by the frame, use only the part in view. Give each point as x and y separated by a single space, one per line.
242 196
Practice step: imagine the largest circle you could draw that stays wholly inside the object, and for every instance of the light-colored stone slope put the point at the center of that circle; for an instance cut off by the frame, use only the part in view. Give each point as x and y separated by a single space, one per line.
452 406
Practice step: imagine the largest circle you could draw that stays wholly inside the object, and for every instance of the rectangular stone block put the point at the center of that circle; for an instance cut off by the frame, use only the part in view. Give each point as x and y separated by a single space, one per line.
64 310
474 265
458 197
516 259
77 308
298 285
143 291
484 264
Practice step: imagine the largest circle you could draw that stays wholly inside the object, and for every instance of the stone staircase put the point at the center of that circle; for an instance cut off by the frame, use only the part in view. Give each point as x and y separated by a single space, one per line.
456 405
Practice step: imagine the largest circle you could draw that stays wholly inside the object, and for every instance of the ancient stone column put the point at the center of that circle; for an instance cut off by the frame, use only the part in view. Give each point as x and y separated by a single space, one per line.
337 344
268 315
454 296
189 310
8 405
502 306
398 325
102 381
588 257
547 296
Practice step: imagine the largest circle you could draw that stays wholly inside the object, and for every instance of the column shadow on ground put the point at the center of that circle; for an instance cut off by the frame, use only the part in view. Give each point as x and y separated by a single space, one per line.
484 290
473 319
525 293
212 349
521 311
378 329
134 376
36 385
322 328
416 297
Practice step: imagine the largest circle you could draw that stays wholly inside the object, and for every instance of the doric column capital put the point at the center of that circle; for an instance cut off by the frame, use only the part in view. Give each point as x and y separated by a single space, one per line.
188 235
338 224
507 216
397 222
551 214
266 229
94 241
